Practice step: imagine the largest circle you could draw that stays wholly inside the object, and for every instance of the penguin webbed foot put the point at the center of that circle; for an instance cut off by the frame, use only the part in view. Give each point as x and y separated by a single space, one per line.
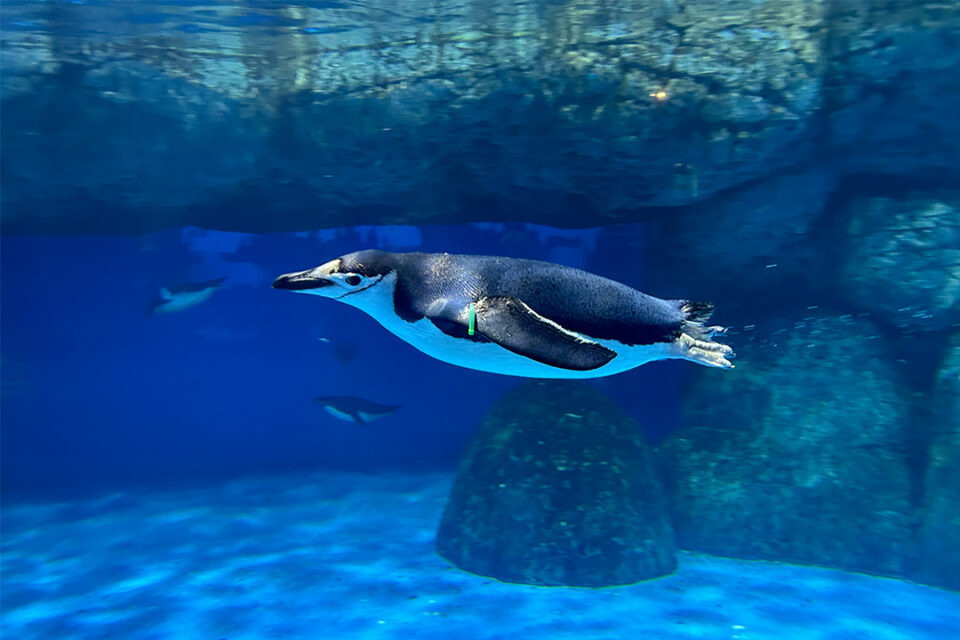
705 352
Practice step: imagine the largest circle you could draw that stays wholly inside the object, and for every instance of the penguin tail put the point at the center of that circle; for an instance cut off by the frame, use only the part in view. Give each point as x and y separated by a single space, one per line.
696 343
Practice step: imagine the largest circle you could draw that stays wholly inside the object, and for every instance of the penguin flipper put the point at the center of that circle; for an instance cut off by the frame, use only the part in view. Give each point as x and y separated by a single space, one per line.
512 324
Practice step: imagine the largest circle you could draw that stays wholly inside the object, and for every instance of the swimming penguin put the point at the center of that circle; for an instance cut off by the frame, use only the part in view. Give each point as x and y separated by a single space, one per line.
183 297
357 410
515 317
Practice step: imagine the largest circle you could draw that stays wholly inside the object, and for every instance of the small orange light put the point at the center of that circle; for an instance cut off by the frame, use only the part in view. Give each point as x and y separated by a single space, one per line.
659 94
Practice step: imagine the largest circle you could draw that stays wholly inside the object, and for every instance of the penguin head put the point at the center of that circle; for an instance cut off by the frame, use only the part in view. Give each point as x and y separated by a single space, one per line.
345 276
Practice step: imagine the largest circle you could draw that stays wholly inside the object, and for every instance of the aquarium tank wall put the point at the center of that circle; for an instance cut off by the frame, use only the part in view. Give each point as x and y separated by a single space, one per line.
483 448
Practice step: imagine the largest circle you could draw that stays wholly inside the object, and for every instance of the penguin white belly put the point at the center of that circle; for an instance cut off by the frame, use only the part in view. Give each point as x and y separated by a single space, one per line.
490 357
339 415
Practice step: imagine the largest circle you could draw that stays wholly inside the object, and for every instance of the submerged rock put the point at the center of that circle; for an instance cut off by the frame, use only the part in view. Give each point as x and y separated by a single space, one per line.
557 488
901 258
940 531
798 454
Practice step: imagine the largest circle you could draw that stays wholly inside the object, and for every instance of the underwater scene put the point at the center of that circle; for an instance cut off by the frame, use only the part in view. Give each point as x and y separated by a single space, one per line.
614 320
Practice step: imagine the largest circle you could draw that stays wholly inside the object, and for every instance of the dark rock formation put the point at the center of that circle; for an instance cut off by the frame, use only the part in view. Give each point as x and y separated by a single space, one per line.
570 113
940 533
557 488
753 239
900 258
798 454
889 87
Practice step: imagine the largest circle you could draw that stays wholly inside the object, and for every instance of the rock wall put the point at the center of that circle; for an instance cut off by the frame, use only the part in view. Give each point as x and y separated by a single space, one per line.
900 258
940 530
119 118
801 454
833 442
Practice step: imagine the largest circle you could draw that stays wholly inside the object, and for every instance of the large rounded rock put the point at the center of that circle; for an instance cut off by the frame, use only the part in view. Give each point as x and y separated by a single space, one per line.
940 532
902 258
557 488
799 454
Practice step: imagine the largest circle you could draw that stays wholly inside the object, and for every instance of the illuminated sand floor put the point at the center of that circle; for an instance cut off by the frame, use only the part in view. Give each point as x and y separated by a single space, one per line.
334 555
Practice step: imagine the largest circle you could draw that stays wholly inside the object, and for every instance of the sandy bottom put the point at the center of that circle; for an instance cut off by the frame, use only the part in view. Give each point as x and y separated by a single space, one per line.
326 555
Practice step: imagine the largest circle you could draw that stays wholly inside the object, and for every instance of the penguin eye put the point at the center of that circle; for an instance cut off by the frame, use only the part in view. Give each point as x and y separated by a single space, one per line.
353 280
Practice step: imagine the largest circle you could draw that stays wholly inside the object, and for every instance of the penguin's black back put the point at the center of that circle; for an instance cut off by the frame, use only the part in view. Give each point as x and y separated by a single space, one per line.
577 300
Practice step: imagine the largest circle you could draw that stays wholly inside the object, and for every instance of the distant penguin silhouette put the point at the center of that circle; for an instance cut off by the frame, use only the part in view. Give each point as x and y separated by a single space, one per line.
184 296
356 410
515 317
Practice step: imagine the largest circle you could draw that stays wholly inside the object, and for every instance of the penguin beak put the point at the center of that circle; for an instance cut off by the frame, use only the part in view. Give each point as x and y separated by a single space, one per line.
308 280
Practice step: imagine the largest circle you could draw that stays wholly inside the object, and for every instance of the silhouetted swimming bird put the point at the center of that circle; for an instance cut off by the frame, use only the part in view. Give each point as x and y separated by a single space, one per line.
357 410
183 296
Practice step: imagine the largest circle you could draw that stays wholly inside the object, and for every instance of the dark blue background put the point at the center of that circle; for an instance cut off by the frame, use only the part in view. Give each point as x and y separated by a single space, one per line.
97 394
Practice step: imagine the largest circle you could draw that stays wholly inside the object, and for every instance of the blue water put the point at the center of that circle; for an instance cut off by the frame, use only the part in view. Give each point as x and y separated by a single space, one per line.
113 395
170 476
